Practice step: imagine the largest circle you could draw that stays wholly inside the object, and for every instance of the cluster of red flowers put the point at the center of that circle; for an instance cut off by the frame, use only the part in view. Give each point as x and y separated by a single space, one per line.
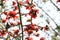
29 38
7 18
16 33
30 28
2 32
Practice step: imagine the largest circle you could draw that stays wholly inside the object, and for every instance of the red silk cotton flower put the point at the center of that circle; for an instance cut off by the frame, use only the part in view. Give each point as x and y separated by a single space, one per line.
30 28
42 38
58 0
29 38
33 13
13 14
3 32
46 28
16 32
14 3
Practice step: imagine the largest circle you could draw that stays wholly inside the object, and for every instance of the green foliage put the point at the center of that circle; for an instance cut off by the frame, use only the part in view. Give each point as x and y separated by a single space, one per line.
58 27
55 34
54 38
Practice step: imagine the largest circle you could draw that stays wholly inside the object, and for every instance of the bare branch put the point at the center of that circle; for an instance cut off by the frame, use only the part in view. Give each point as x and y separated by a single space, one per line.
20 18
49 17
55 5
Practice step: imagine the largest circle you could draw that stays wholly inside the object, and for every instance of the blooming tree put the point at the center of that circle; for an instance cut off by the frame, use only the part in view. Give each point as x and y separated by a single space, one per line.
29 20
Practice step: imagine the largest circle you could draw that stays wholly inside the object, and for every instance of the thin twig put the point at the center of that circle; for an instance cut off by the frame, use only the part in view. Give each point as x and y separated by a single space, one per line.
31 16
55 5
46 14
49 17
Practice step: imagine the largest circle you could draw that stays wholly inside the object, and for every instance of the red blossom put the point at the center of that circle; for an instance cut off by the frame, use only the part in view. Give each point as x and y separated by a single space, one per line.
46 28
3 33
29 7
27 1
29 38
33 13
20 2
14 3
12 14
37 35
36 29
10 34
30 28
4 20
58 0
42 38
0 32
16 8
16 32
30 32
6 13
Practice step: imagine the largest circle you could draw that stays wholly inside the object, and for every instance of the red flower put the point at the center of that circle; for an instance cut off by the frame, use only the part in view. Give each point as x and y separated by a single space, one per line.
46 28
12 14
21 3
0 32
42 38
33 13
3 33
29 38
36 29
4 20
37 35
30 32
16 8
14 3
27 1
6 13
10 34
29 7
30 28
58 0
16 32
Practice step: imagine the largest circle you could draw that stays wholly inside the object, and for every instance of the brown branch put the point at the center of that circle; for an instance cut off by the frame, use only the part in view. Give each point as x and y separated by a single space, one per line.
20 18
31 1
55 5
31 17
49 17
47 14
1 3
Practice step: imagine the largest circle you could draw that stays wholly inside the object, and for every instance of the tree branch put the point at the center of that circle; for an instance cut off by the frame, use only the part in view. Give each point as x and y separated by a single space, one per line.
49 17
55 5
31 4
20 18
